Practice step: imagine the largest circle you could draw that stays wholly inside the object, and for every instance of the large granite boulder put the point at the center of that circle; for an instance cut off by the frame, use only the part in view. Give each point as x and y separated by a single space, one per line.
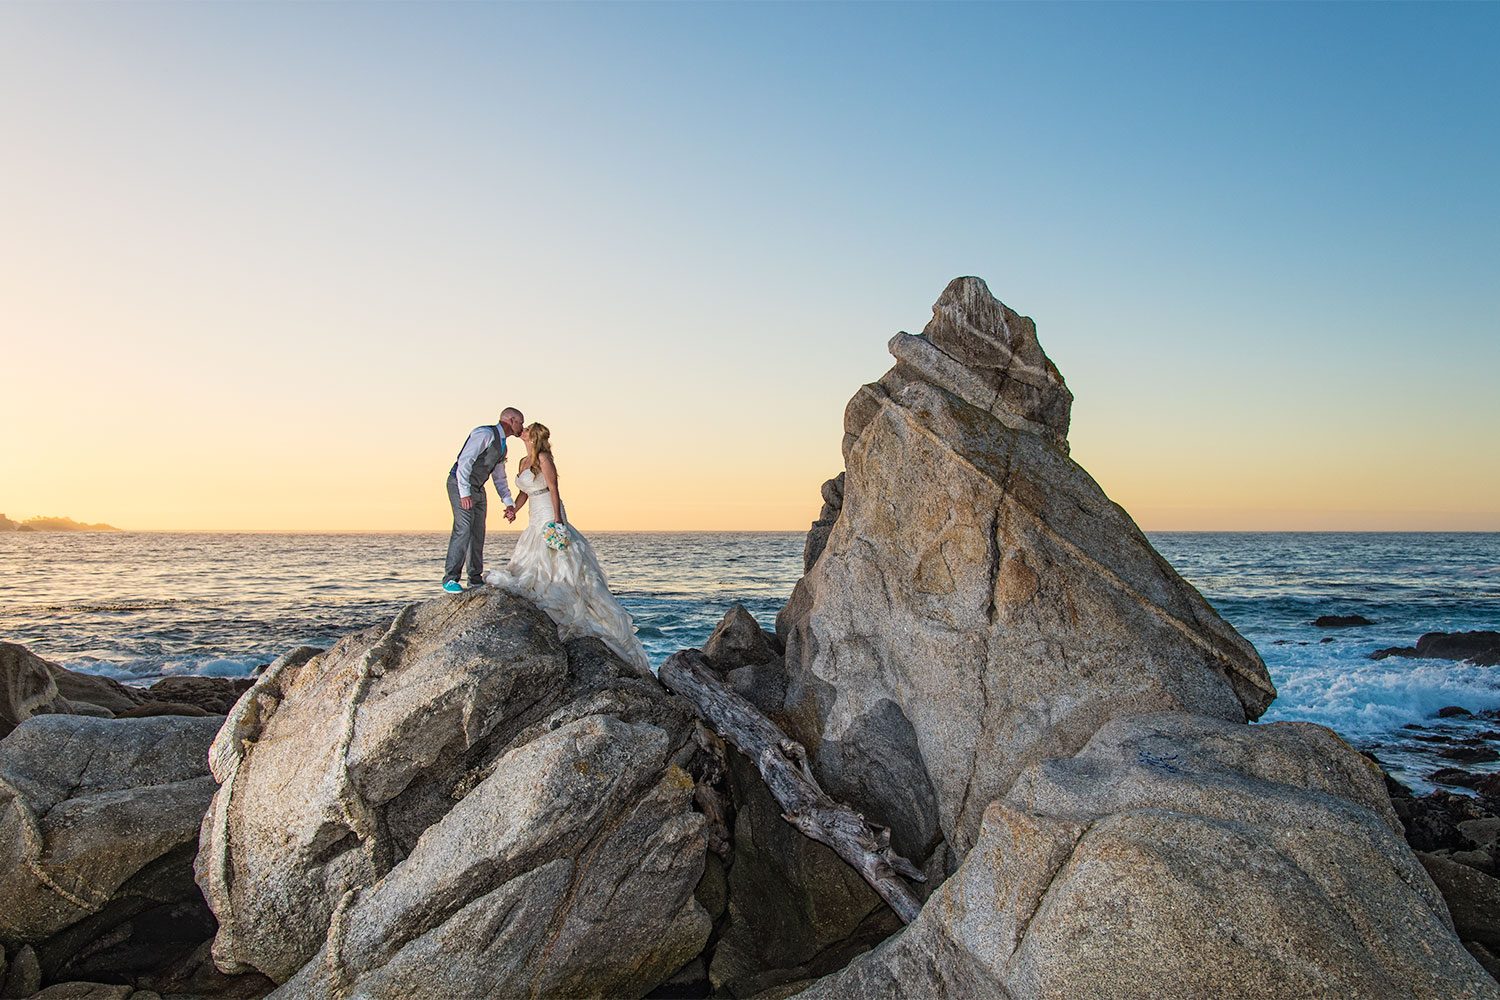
980 604
1178 856
98 829
456 804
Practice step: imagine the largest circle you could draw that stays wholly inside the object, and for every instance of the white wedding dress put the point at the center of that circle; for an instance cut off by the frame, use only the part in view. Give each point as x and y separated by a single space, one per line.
568 584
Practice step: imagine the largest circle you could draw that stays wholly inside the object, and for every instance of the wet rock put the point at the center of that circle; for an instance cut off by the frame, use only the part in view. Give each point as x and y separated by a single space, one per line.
1454 712
1481 648
1341 621
1454 776
1470 754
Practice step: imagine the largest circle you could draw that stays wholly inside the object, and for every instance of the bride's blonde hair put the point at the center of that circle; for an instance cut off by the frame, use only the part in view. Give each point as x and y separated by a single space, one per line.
541 444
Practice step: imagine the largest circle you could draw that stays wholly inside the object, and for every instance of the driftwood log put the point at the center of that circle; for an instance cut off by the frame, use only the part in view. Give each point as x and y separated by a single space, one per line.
782 763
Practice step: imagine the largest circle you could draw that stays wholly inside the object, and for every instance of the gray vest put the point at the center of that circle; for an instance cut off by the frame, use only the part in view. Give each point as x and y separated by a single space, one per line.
484 465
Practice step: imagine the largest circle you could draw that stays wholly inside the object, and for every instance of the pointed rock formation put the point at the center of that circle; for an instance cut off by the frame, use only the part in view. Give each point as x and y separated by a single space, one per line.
988 656
980 604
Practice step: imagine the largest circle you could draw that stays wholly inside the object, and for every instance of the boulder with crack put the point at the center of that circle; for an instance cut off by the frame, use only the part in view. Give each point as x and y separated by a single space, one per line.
1178 856
98 829
979 603
458 803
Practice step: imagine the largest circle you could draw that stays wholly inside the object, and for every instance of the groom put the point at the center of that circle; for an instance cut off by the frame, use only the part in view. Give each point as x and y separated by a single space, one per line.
482 457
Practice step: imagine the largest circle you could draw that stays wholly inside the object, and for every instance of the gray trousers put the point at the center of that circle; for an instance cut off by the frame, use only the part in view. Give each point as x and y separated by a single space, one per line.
468 536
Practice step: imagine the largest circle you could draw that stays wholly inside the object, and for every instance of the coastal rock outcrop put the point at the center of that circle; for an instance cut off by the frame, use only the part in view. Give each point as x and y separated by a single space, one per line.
30 685
1178 856
987 655
455 804
980 604
98 829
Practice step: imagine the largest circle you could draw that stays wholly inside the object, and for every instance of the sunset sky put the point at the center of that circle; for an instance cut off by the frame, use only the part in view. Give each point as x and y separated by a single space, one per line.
263 266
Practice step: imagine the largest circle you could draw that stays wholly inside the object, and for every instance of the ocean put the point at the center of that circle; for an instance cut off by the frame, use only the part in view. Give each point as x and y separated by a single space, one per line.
137 606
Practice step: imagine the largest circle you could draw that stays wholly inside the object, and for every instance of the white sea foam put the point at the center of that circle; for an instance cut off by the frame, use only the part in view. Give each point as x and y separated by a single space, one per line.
1366 700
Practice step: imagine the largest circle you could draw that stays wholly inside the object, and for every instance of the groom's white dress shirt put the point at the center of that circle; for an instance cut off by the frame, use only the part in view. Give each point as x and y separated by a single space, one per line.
479 438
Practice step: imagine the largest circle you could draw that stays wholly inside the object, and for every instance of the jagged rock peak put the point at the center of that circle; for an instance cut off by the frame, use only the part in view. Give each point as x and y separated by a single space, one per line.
987 354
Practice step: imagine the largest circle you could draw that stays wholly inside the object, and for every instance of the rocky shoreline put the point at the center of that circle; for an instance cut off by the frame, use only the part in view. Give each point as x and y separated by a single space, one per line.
1010 683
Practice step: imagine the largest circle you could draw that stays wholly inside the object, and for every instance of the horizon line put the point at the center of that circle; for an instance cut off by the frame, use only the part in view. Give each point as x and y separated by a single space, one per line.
727 531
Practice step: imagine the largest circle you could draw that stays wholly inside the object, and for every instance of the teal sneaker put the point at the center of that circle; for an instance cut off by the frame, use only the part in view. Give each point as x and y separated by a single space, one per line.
452 587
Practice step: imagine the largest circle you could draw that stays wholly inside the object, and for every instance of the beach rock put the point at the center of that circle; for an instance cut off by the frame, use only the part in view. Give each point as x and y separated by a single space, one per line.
151 708
738 641
1454 712
30 686
1480 648
750 659
26 686
1341 621
456 804
90 694
23 976
795 909
1000 612
1473 899
214 695
817 535
98 828
1470 754
1178 856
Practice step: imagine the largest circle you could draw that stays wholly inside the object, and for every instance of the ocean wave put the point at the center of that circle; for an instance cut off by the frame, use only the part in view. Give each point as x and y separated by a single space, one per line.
146 669
1365 701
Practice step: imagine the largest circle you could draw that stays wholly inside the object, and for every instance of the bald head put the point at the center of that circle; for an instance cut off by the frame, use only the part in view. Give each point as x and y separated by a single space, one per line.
512 420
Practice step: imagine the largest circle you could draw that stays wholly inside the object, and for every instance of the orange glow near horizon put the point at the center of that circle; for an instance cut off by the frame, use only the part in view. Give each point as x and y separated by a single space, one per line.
264 266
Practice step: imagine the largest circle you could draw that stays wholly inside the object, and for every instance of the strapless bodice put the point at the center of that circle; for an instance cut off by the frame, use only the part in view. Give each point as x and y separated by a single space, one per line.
537 495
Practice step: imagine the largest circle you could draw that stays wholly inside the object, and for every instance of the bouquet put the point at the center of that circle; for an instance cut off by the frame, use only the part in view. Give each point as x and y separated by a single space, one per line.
555 535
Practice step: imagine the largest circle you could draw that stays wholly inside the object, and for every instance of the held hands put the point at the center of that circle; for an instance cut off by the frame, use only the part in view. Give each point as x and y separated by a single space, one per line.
510 513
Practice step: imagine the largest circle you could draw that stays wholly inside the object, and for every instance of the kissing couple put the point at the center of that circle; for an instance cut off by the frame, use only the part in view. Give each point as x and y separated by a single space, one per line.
553 564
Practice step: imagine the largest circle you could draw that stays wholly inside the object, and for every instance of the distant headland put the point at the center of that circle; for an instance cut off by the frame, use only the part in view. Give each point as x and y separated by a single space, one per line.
51 524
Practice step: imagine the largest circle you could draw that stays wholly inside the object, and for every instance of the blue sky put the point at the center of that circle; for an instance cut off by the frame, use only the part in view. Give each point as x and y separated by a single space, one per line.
1258 240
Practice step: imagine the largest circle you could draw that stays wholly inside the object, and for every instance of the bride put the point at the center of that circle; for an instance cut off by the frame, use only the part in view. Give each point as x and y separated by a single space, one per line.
555 566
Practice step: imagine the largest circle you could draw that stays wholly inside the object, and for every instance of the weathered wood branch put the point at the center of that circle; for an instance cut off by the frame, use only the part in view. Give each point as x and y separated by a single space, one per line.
782 763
